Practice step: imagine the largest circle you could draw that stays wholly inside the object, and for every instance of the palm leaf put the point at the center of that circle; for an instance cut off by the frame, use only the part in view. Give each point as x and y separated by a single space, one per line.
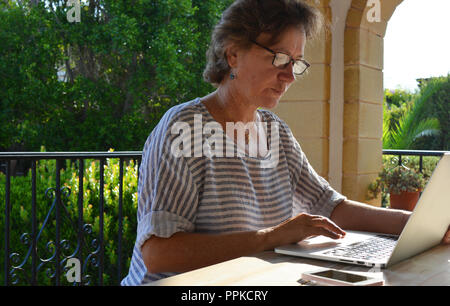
412 126
404 138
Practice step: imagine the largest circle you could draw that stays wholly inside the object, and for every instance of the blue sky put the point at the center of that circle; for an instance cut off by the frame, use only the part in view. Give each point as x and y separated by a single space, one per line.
417 43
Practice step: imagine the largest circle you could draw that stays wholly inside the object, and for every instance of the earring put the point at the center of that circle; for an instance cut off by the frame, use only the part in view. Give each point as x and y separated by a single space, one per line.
232 76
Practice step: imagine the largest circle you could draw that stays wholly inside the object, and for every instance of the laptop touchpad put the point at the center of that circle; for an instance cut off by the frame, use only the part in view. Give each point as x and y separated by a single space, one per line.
322 242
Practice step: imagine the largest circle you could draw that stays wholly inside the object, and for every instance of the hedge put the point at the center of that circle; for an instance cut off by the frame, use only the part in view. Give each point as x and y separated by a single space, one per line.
21 219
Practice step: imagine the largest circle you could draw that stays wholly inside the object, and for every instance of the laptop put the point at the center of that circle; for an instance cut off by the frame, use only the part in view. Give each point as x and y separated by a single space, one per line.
425 228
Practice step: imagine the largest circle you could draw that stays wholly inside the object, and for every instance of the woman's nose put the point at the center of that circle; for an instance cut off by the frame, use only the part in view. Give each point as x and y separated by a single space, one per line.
287 73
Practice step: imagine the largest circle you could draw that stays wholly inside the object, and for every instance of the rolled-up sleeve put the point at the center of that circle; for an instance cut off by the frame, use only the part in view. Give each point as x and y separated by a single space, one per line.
162 224
167 194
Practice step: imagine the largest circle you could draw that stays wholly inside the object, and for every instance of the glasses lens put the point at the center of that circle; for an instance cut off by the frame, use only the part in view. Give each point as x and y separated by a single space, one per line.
281 60
300 67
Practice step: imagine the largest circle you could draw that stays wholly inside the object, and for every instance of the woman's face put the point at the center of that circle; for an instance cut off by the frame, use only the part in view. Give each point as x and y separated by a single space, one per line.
260 83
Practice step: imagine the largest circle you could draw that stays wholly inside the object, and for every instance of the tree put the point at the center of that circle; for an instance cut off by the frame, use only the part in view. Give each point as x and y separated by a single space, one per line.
397 97
413 124
124 65
438 107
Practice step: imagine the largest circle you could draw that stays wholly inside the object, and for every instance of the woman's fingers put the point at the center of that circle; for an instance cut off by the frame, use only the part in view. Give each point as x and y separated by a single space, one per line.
326 232
325 223
305 226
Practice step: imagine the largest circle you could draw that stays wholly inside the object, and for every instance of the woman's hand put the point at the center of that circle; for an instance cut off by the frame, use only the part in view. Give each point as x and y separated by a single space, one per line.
446 238
304 226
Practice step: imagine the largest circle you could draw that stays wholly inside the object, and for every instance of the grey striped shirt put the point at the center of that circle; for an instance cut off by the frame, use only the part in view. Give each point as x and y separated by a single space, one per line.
220 194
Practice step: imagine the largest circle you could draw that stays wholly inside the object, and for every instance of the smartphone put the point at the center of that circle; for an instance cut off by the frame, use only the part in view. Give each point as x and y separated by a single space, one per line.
333 277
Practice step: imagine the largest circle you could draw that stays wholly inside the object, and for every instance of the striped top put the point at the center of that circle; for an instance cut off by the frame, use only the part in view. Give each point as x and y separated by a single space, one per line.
183 187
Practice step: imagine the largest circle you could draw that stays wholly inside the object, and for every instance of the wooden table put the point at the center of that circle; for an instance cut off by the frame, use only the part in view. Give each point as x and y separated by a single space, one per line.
270 269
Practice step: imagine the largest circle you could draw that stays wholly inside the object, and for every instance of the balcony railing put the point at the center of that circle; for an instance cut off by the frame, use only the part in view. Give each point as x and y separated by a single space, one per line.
90 243
27 265
421 153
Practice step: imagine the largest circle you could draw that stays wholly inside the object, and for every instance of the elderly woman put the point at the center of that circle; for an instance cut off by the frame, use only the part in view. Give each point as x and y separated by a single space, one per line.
196 208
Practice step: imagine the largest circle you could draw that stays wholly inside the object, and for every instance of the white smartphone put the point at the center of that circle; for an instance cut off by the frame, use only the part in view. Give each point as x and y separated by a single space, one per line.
333 277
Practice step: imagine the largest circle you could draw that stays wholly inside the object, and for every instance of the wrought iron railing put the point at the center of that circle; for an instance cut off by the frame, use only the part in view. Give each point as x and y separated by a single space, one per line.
90 244
421 153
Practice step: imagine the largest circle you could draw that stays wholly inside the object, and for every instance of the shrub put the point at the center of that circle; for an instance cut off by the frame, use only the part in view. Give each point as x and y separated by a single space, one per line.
120 69
21 219
410 180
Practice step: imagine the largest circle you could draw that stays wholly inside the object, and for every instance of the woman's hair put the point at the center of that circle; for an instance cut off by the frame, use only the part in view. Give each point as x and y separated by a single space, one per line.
245 20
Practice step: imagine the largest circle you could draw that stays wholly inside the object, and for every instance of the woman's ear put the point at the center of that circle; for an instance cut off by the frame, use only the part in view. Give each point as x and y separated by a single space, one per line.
232 55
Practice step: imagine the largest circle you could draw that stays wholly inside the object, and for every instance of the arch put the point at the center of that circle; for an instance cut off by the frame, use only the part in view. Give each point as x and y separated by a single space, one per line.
363 96
336 110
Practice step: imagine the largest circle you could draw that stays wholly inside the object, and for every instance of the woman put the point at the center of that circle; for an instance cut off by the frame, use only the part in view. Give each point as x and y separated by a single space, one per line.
196 208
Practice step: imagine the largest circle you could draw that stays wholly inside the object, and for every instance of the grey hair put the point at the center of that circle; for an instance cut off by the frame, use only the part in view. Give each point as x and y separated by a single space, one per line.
244 20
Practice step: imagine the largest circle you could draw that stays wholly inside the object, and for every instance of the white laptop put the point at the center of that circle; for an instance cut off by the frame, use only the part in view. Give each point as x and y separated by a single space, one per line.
425 228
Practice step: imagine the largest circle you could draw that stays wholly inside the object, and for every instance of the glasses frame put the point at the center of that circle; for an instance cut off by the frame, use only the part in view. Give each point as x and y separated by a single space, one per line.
292 60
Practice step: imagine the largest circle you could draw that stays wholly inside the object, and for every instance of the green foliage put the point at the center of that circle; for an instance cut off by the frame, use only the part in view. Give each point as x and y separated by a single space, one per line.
393 114
412 124
21 218
407 177
397 97
420 123
401 179
125 65
439 108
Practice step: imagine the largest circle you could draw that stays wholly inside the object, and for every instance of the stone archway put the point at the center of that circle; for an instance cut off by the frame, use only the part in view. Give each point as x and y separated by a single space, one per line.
335 111
363 96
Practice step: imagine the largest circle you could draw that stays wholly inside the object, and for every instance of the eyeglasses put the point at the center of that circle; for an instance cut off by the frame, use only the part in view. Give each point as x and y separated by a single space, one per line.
281 60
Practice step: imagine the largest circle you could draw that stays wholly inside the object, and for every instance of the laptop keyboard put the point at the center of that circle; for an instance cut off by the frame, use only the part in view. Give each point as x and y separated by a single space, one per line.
378 247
